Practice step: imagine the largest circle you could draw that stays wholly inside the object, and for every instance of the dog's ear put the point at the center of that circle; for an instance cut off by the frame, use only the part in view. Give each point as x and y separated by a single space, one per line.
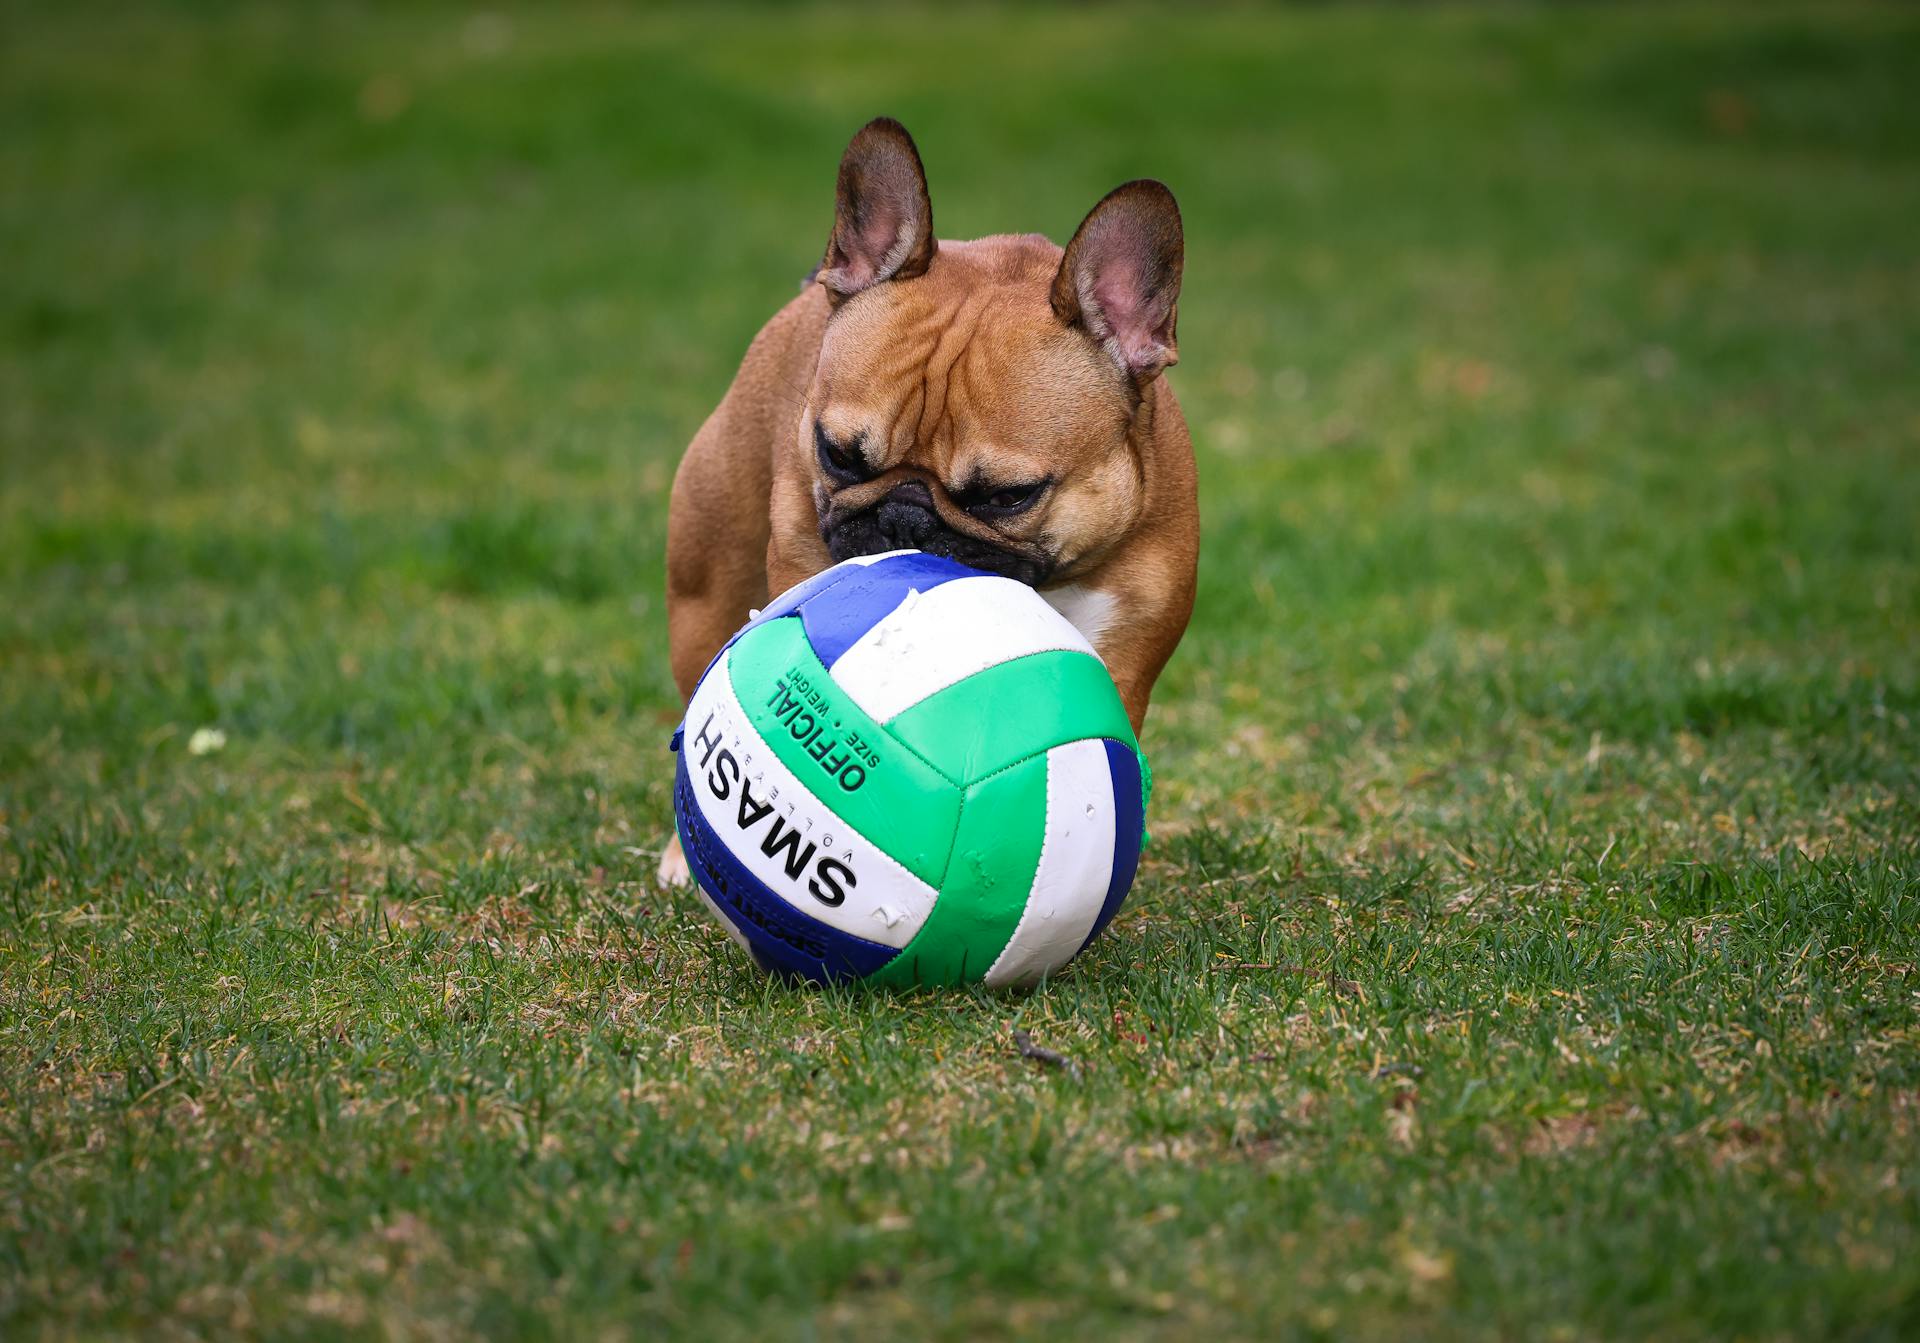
882 218
1120 279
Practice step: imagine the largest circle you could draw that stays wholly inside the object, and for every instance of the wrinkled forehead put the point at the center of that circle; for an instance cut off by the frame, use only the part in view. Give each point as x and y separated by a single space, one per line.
977 364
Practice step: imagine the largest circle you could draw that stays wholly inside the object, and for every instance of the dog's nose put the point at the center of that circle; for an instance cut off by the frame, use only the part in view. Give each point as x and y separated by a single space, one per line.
913 492
906 517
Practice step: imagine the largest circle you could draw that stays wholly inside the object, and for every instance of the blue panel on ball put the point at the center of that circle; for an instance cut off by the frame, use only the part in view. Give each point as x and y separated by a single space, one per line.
1129 826
784 605
783 939
835 619
794 597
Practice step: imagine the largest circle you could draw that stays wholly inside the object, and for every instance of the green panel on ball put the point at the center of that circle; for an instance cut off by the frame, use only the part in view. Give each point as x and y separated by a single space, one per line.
895 801
1003 823
1016 709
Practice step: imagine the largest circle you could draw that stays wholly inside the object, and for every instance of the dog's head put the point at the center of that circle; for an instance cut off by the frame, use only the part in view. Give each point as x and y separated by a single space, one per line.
978 400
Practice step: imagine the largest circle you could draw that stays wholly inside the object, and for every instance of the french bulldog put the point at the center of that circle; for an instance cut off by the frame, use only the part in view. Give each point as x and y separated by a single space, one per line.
1001 402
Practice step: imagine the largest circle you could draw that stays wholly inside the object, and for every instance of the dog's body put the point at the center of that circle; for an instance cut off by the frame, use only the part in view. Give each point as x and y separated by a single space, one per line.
997 401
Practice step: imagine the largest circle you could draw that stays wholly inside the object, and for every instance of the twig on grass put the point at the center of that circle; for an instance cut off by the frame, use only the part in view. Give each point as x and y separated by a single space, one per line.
1398 1069
1052 1058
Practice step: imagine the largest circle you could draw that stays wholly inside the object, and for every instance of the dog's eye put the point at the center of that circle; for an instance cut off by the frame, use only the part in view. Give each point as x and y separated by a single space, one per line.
1005 500
842 462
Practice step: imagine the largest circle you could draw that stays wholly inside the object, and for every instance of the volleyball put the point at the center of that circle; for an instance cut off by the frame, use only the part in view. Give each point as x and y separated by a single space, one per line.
909 772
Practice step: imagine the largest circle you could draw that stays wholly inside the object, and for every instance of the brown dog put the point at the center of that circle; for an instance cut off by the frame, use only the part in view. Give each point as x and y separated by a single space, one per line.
999 402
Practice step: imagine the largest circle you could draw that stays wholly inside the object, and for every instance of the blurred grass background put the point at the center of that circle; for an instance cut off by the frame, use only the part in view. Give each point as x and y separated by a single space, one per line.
1527 947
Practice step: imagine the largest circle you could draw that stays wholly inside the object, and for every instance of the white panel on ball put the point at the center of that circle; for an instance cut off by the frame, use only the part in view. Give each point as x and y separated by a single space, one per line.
940 637
1076 865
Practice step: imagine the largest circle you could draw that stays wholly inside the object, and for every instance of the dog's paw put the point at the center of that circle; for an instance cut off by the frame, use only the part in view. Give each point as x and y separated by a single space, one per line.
673 869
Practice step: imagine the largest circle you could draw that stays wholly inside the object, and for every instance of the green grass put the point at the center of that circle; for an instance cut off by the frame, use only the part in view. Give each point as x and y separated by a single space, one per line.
1527 943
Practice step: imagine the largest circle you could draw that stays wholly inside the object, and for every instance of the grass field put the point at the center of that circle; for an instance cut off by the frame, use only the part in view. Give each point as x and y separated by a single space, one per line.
1527 945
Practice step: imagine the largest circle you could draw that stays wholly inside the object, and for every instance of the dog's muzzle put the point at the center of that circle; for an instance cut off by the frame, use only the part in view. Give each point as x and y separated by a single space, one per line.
906 519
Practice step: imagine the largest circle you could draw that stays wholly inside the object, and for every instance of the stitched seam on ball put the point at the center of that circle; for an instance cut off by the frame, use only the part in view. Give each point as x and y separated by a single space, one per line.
1029 756
946 868
1003 662
982 671
893 736
887 727
1039 866
915 754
